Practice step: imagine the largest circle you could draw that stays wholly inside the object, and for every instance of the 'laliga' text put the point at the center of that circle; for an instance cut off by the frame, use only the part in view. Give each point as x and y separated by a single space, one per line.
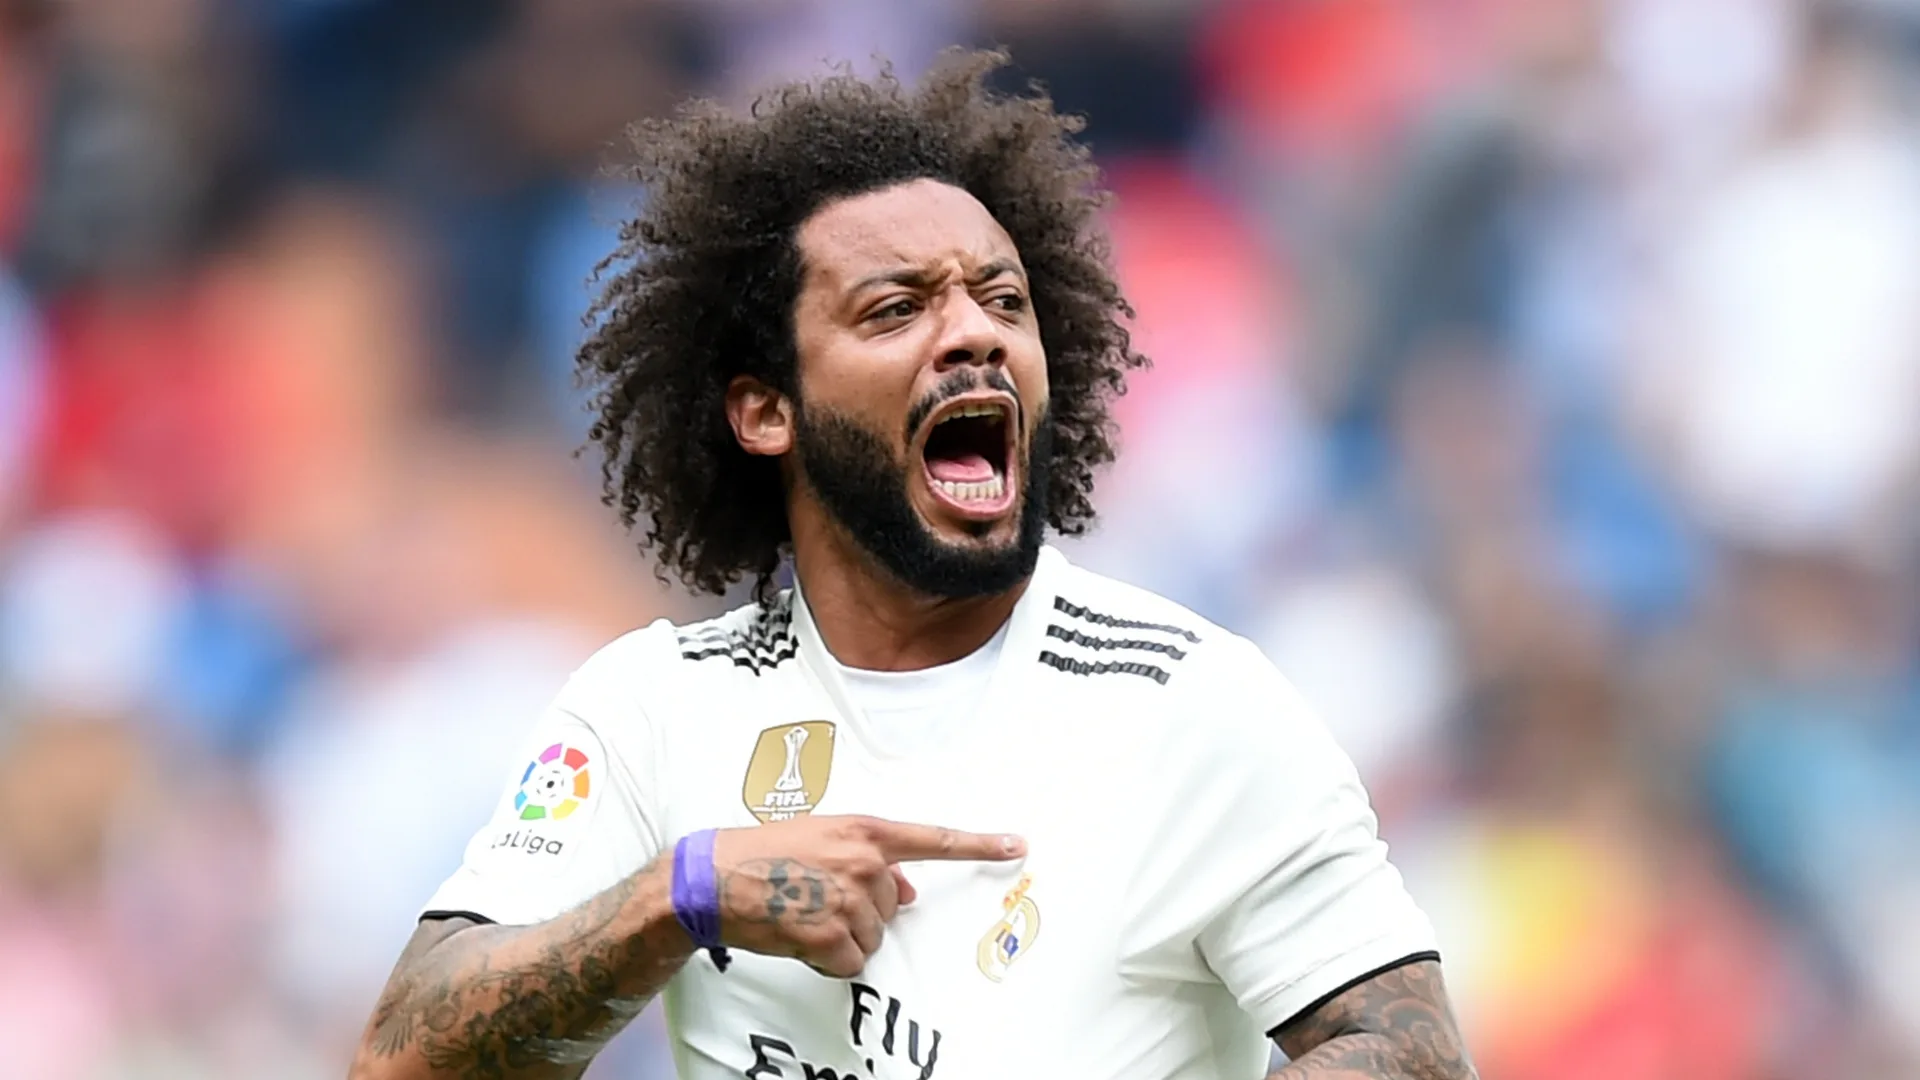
530 842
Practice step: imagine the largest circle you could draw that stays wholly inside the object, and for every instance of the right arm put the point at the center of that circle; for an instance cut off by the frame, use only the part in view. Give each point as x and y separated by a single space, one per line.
471 1000
537 1002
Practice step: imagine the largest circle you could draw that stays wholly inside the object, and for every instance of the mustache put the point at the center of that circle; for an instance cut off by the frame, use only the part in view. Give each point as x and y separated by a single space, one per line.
960 382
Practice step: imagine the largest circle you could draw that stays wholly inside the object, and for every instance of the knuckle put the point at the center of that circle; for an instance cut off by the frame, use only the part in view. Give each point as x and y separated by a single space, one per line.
853 958
843 959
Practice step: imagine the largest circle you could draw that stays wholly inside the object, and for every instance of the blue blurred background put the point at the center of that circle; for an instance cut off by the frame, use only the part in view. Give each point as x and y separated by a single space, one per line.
1537 383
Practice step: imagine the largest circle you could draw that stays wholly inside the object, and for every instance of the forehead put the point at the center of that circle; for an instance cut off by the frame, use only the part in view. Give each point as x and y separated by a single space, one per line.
921 223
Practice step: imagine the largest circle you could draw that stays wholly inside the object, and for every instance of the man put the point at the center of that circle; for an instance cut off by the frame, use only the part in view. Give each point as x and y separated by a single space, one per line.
872 330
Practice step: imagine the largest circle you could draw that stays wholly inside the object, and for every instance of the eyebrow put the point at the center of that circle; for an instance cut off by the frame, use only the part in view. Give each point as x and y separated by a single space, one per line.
920 279
994 269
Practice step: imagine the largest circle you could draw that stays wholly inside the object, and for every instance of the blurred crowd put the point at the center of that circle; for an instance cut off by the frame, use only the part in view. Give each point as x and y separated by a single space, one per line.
1536 382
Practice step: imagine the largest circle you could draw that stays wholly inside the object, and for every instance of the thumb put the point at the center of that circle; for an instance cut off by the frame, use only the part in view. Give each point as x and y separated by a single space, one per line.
907 892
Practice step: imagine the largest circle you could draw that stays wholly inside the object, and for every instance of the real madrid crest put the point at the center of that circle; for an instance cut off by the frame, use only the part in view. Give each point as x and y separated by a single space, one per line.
787 775
1010 938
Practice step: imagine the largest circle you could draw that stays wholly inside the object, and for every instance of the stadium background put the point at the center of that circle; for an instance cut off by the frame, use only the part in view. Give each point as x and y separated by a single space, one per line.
1536 382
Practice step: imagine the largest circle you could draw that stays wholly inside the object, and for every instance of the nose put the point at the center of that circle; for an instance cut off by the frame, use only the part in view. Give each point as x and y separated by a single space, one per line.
969 335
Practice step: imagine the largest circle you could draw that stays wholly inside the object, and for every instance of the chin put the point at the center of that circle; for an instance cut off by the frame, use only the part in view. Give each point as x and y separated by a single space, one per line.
982 537
937 556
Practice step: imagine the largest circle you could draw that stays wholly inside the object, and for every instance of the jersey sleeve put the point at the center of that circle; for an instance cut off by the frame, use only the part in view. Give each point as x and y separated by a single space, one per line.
574 815
1307 902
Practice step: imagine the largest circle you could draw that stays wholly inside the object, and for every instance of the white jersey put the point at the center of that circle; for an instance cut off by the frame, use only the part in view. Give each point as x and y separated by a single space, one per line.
1202 861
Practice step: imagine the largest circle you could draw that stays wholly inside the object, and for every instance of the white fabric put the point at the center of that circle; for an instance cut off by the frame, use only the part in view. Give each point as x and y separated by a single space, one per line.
1202 858
912 711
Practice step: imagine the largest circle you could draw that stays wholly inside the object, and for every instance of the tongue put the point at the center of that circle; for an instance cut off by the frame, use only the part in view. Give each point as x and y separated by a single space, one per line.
962 469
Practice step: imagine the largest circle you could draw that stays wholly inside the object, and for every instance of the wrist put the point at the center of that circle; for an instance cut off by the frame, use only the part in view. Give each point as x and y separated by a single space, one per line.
696 894
650 913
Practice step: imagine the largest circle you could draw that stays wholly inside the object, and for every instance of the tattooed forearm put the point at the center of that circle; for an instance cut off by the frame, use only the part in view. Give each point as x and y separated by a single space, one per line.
524 1003
1395 1026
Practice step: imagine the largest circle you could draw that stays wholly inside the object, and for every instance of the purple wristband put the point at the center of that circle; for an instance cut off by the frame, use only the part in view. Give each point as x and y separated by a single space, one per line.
696 894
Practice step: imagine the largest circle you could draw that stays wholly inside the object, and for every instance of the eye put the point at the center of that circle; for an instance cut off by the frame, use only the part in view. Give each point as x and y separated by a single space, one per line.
1009 302
899 309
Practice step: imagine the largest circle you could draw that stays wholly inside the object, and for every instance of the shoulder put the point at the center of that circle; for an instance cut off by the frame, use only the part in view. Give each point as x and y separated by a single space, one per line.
1158 658
1092 614
1235 717
754 637
1229 699
639 665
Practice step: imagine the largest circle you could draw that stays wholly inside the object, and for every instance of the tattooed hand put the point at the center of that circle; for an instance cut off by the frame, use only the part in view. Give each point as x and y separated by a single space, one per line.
822 889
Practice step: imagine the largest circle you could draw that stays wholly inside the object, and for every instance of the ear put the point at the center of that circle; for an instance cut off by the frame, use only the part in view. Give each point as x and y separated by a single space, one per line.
761 416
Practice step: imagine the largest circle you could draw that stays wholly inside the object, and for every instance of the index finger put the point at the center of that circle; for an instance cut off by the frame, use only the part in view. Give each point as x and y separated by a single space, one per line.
902 842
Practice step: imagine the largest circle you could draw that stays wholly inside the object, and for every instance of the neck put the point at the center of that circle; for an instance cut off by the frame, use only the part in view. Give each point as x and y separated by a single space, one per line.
870 621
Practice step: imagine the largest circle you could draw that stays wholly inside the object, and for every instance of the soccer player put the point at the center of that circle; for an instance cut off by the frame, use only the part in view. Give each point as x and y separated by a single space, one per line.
950 806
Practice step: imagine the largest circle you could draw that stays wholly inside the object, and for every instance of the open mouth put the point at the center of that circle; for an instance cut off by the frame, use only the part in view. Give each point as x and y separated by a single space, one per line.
968 454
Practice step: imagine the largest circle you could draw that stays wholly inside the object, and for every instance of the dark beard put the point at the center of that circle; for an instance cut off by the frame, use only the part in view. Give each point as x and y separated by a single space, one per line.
863 486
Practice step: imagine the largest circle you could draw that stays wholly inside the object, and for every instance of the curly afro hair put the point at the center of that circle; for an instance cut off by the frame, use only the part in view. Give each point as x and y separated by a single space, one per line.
703 285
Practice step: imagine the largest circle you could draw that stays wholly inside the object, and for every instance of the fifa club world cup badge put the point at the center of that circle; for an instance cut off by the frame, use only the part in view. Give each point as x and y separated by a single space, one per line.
1011 937
787 775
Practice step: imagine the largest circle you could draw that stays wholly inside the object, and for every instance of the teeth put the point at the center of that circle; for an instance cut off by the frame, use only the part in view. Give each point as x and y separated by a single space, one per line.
984 491
985 409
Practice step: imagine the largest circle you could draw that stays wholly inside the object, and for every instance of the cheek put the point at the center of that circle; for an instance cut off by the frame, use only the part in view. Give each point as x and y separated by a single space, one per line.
874 406
1028 369
861 387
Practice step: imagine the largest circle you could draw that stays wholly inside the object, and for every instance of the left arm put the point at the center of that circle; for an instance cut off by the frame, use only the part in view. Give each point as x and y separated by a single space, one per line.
1394 1026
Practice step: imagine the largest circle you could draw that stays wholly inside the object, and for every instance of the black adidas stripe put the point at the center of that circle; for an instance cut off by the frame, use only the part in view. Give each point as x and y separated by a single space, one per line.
756 643
1087 641
1072 666
768 653
756 662
765 643
1075 611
